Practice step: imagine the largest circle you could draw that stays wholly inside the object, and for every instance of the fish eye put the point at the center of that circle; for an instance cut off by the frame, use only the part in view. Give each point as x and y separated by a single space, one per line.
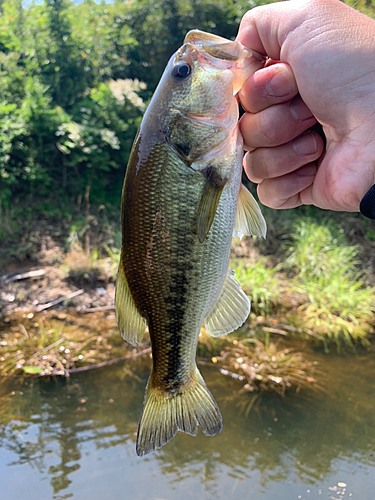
181 70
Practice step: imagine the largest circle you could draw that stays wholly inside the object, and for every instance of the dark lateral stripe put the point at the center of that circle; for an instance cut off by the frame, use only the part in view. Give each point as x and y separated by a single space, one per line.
177 300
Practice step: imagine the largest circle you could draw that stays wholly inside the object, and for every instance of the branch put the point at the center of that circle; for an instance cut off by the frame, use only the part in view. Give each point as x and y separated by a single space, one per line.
97 309
57 301
29 274
106 363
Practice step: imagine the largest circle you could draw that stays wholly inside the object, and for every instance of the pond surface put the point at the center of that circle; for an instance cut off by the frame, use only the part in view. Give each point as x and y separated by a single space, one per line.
64 439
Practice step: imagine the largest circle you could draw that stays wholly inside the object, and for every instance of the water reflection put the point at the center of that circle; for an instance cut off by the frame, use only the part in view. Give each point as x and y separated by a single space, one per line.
79 436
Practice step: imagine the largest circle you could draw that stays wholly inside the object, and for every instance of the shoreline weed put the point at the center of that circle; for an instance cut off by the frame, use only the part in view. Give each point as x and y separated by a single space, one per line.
260 282
339 306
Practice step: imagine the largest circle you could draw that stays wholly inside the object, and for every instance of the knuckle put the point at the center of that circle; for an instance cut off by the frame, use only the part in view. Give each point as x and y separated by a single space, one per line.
268 133
257 164
266 197
248 17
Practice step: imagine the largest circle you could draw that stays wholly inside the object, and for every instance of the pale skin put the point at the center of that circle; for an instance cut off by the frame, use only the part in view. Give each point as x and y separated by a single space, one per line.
321 69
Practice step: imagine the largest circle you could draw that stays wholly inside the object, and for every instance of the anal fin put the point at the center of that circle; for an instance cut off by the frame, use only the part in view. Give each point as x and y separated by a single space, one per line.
230 310
249 218
131 324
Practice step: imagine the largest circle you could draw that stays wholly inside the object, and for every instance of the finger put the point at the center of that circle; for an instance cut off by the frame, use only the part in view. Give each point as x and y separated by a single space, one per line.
287 191
276 125
272 85
265 28
269 62
268 163
282 30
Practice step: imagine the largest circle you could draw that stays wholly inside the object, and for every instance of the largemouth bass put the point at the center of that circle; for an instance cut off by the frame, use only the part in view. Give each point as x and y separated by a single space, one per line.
182 202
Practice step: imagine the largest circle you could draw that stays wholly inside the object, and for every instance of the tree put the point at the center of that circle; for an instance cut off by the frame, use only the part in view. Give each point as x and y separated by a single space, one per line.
65 70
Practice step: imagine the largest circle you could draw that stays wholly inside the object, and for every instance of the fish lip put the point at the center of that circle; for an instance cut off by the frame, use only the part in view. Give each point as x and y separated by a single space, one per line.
200 39
196 37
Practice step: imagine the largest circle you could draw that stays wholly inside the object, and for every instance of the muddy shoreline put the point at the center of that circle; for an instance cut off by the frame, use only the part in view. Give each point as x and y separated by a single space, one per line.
57 317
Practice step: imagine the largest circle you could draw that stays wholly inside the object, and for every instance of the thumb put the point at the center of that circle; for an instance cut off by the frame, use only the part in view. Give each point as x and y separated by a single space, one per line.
327 44
289 31
265 28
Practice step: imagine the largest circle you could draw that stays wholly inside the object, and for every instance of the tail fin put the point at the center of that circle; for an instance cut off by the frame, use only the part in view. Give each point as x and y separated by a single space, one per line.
166 413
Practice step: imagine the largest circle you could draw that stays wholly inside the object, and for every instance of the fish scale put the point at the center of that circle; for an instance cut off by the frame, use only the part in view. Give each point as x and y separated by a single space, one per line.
181 192
178 273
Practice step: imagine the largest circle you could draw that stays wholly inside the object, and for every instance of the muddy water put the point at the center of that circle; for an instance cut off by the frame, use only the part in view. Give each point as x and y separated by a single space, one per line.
76 439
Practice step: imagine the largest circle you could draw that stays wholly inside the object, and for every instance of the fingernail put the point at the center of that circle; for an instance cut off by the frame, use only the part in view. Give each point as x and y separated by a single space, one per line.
307 170
280 85
305 145
299 110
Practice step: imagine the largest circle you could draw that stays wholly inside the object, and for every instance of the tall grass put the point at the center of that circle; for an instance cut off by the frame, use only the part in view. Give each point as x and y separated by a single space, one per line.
340 307
260 282
114 259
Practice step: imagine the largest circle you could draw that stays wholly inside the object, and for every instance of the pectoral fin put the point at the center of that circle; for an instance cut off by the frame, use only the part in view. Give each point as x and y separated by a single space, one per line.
230 310
249 218
131 324
209 201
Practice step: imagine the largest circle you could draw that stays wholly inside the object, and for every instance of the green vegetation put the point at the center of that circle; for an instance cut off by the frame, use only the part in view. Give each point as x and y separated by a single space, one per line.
260 282
325 294
55 344
339 307
75 80
265 367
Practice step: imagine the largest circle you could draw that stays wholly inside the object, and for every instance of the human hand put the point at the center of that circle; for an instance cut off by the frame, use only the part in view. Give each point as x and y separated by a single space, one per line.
325 72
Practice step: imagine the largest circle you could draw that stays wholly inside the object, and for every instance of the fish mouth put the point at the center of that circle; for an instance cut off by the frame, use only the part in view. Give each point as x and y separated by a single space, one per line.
221 48
198 37
207 56
216 53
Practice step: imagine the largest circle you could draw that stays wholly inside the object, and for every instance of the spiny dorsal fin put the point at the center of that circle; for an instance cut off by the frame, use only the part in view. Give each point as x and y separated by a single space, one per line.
209 202
249 218
164 413
131 324
230 310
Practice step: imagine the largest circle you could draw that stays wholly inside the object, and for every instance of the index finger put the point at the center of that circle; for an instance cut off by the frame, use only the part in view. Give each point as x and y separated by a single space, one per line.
271 85
264 28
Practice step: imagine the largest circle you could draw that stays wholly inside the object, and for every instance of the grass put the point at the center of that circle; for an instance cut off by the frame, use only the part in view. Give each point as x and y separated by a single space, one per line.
8 223
365 6
332 302
317 289
267 367
260 282
98 264
317 250
114 260
48 345
340 306
325 293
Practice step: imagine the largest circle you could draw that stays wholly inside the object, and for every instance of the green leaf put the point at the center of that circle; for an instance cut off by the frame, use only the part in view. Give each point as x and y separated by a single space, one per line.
32 370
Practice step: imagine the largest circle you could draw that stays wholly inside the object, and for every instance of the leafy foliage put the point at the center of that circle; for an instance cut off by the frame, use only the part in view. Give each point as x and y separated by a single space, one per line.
75 77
